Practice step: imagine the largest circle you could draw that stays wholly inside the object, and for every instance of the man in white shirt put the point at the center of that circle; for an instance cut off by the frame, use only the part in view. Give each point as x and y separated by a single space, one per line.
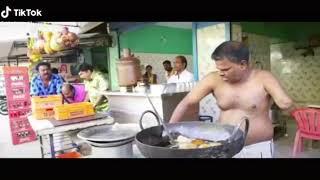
181 73
168 68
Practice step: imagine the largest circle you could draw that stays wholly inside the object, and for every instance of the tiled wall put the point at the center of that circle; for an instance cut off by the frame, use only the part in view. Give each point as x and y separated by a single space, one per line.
155 60
259 47
299 75
236 32
208 39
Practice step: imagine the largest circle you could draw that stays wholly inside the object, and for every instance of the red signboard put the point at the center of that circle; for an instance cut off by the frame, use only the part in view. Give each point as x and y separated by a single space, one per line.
18 100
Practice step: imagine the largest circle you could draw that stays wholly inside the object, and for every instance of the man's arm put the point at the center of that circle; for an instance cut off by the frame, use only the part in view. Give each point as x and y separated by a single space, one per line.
274 88
34 88
155 79
59 85
103 86
87 99
99 101
202 89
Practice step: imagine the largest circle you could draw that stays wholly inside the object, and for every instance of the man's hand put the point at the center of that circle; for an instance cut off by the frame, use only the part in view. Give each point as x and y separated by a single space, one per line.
289 110
99 101
94 105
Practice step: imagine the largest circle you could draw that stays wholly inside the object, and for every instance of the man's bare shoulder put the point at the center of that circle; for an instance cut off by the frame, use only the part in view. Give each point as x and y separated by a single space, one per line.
263 74
267 78
213 76
212 79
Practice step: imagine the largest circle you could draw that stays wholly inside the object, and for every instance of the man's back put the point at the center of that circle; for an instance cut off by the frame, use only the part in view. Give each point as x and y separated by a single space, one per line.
79 94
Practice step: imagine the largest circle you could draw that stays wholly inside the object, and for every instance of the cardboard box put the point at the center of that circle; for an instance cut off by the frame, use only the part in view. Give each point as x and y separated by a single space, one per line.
43 106
75 110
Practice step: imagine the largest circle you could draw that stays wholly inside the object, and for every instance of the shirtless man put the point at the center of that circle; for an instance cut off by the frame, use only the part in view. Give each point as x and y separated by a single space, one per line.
240 91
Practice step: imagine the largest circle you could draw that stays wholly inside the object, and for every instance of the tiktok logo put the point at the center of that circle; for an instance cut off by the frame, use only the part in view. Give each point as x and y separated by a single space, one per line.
5 13
20 12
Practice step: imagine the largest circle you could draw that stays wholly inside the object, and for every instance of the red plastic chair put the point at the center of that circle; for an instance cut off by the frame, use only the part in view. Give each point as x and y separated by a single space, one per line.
308 124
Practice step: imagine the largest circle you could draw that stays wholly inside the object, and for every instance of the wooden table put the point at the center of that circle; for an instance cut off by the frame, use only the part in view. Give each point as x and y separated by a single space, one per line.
49 127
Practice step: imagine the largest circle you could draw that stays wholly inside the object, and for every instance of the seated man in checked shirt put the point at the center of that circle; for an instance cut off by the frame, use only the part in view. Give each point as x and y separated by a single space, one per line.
45 83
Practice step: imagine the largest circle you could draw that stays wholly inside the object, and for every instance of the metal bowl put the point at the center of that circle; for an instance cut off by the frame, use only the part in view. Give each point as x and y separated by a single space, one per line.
109 133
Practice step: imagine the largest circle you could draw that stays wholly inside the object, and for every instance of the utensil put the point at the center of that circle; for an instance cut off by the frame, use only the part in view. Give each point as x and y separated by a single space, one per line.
171 138
237 128
152 144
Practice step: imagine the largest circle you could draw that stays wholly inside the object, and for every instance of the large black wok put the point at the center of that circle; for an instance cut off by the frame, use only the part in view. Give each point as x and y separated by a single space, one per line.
152 143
